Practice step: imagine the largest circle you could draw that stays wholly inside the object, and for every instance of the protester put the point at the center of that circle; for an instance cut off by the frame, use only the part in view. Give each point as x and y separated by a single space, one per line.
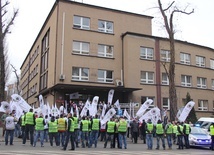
180 135
10 127
160 134
169 131
186 131
122 129
149 134
95 127
39 130
111 128
53 131
62 126
84 126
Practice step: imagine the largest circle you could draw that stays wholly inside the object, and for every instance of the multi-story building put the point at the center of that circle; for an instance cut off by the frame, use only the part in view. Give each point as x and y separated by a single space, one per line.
90 50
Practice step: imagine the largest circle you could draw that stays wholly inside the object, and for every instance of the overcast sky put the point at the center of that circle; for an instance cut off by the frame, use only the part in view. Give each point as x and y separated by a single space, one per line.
196 28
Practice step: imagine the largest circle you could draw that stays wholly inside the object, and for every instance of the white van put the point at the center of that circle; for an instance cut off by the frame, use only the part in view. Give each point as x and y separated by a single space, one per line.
205 122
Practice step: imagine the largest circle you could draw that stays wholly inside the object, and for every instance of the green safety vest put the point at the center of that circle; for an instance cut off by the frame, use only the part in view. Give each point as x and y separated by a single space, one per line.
85 125
122 126
111 126
72 125
212 130
29 118
75 122
39 124
61 124
95 125
169 129
150 127
23 120
52 127
187 129
181 129
159 129
175 129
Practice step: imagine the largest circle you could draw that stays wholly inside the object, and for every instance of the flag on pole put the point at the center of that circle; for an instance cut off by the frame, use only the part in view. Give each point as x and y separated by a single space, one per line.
85 109
104 110
17 108
185 112
77 112
153 114
5 107
144 107
21 102
93 110
111 112
110 96
125 113
117 104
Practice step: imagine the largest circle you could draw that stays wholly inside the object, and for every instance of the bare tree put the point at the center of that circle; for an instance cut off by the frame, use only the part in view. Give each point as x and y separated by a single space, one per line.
17 79
5 24
169 26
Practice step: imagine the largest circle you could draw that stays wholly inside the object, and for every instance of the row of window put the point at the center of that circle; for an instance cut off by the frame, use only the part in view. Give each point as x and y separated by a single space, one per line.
186 80
34 55
185 58
32 90
33 73
202 104
84 23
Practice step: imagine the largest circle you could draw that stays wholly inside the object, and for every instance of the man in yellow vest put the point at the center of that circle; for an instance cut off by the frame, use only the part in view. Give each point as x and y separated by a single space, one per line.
186 131
149 134
212 136
160 134
53 131
70 133
39 127
116 135
76 129
111 127
30 121
122 129
84 126
95 128
62 126
175 131
169 132
180 135
22 123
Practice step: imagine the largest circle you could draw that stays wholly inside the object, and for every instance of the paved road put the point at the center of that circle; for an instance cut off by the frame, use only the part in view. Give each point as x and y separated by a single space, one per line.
133 149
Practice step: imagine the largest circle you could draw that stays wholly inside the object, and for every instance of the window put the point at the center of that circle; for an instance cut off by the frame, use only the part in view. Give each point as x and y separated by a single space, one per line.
201 82
212 84
166 103
211 64
144 98
147 77
105 26
80 74
146 53
165 79
186 80
105 51
80 47
165 55
81 22
202 105
200 61
185 58
105 76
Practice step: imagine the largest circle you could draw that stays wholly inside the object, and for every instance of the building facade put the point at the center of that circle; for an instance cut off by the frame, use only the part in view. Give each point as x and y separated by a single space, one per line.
92 51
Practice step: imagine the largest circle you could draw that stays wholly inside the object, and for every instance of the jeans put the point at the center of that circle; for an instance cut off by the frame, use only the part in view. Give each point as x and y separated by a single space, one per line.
110 137
69 135
23 132
28 128
39 134
169 140
7 134
93 138
102 135
149 140
46 135
53 135
61 138
76 135
17 130
116 137
186 140
212 143
122 140
158 141
180 142
84 138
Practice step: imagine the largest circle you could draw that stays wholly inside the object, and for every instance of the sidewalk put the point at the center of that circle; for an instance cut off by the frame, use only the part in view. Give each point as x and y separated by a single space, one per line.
2 138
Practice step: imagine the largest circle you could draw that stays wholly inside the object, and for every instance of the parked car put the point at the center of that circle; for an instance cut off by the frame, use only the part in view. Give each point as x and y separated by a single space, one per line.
199 137
204 122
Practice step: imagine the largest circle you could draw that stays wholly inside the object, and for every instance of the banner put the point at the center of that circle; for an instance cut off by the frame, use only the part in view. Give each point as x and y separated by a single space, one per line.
185 112
5 107
110 96
144 107
18 110
103 110
74 95
117 104
153 114
179 112
93 110
125 113
85 109
21 102
111 112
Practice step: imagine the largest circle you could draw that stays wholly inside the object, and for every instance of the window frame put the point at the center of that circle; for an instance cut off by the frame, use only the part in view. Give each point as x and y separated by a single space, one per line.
104 29
211 63
104 52
81 25
147 80
104 78
79 76
165 55
201 105
186 83
81 49
165 82
201 82
144 53
200 61
167 107
186 59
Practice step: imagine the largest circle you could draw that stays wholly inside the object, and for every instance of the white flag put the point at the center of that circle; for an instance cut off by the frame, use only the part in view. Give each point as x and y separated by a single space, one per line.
85 109
77 112
93 110
179 112
110 96
144 107
125 113
21 102
49 109
18 110
104 110
5 107
185 112
74 95
153 114
117 104
111 112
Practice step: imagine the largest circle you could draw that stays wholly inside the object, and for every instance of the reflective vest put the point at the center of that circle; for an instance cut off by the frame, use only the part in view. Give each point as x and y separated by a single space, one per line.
169 130
75 122
111 126
52 127
187 131
61 124
150 127
95 125
181 129
72 125
39 124
23 120
29 118
84 125
122 126
212 130
159 129
175 129
89 128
